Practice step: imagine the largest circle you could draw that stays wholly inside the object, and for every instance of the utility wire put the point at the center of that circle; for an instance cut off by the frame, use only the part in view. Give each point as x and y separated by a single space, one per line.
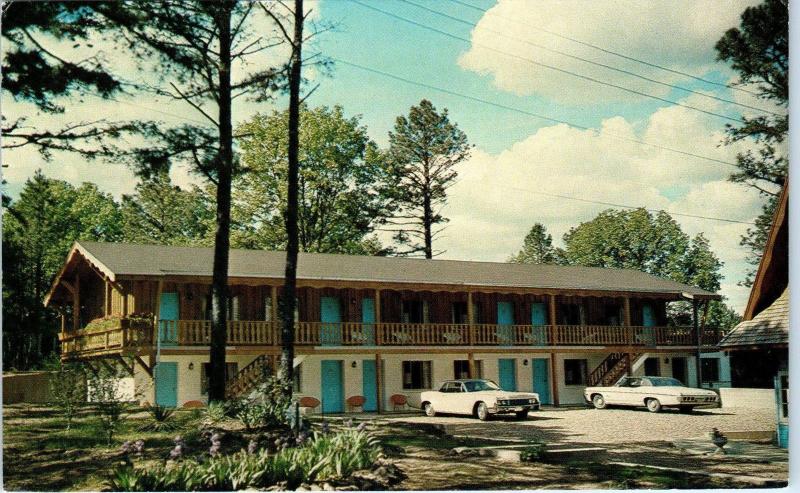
610 52
580 76
611 204
525 112
610 67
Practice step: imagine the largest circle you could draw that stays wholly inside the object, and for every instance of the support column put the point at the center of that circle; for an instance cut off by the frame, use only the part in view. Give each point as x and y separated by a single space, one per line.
627 311
76 304
471 365
378 381
553 321
471 322
124 293
699 340
378 328
273 316
554 377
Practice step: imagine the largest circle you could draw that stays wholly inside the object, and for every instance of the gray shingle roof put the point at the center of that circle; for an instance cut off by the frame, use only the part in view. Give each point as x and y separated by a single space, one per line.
771 326
155 260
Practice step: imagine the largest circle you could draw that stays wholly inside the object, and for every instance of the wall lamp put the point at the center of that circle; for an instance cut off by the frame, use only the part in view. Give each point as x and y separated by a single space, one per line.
353 364
525 362
191 365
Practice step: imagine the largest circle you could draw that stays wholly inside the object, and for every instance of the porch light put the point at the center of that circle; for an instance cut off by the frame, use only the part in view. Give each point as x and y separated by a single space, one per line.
666 360
353 364
191 365
525 362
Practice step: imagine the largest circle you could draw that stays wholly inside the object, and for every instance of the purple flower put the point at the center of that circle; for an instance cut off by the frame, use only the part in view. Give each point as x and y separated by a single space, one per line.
349 422
176 453
362 426
301 437
252 447
326 427
125 448
138 447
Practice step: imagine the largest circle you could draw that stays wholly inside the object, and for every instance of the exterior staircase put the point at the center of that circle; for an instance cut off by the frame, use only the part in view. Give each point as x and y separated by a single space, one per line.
614 367
250 376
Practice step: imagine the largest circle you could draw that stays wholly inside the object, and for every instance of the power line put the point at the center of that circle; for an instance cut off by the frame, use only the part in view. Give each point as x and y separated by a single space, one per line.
610 67
525 112
574 74
611 204
610 52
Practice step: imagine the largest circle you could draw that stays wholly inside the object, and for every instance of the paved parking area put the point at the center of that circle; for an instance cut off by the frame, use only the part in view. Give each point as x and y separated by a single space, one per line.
592 426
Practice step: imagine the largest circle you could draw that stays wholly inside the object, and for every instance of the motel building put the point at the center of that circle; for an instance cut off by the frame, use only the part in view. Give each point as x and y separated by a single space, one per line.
384 329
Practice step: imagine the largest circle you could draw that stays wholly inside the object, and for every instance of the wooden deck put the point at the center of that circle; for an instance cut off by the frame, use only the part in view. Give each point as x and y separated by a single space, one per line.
129 338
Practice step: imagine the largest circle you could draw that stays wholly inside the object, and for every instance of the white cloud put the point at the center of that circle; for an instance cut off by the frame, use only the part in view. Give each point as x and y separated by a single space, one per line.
682 38
498 197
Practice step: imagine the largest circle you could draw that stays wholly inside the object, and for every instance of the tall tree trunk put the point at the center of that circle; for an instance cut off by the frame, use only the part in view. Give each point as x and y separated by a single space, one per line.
219 281
427 215
290 281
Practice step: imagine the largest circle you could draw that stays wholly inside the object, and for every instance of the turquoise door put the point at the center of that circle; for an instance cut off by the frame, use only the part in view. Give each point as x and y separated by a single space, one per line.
166 380
505 320
508 374
369 385
167 319
332 387
368 319
331 318
539 322
541 379
648 320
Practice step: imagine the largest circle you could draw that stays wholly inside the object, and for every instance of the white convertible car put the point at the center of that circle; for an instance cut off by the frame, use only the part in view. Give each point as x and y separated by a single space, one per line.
480 398
654 393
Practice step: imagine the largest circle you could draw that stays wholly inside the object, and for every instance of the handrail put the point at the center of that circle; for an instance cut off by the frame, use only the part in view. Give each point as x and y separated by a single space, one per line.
268 333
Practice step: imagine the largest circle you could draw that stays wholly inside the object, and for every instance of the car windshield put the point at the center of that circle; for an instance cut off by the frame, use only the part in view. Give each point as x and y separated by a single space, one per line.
665 382
479 385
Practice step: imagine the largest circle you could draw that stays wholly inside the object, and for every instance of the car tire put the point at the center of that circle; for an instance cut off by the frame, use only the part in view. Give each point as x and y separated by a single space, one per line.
482 411
599 401
686 409
429 410
522 415
653 405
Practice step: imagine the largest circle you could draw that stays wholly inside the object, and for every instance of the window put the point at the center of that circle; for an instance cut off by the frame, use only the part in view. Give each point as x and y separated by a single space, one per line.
570 314
231 369
460 314
414 312
416 374
652 368
461 369
710 369
575 372
297 379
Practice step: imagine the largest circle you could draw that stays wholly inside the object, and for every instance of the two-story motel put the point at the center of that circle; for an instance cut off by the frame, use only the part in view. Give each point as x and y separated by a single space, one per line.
372 326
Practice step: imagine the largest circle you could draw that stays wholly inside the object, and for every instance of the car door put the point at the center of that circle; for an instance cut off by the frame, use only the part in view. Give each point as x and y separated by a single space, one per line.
444 398
462 400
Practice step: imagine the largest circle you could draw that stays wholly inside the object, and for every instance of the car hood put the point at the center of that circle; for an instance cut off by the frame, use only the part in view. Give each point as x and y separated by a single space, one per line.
505 394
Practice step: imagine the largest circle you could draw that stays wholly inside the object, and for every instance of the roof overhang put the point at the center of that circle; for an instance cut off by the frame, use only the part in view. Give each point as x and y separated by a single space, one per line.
76 255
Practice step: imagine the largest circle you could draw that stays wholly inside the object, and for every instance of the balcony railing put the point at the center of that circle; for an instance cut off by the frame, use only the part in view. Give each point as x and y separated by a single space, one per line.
260 333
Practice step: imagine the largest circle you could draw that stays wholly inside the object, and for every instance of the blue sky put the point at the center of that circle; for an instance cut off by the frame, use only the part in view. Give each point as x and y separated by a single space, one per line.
520 162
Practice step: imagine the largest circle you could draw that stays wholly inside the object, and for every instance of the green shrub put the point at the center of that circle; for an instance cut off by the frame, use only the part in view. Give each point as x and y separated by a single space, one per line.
162 419
68 388
214 413
109 406
317 458
533 452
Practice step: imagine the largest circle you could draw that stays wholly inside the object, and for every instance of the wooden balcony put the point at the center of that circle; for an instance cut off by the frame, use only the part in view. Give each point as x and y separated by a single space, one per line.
126 337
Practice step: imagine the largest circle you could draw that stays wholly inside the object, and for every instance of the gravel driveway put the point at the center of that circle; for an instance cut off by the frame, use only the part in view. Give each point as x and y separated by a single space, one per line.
588 426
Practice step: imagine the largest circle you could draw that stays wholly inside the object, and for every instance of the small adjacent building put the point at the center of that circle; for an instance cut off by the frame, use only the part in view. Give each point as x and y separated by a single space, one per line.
373 327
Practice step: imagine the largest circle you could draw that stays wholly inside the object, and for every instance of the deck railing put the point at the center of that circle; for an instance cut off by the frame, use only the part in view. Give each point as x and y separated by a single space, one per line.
263 333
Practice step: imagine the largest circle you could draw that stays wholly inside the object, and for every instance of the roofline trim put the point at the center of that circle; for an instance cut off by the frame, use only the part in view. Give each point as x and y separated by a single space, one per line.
77 248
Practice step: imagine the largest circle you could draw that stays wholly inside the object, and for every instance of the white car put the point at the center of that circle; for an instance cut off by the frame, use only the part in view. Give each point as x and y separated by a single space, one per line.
480 398
654 393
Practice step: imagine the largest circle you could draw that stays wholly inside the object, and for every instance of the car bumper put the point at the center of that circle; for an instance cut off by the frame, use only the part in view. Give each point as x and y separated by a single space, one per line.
514 409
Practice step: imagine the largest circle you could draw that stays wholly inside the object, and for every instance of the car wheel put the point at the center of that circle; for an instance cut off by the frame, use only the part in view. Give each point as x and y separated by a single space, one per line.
522 414
429 410
599 401
653 405
686 409
482 411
